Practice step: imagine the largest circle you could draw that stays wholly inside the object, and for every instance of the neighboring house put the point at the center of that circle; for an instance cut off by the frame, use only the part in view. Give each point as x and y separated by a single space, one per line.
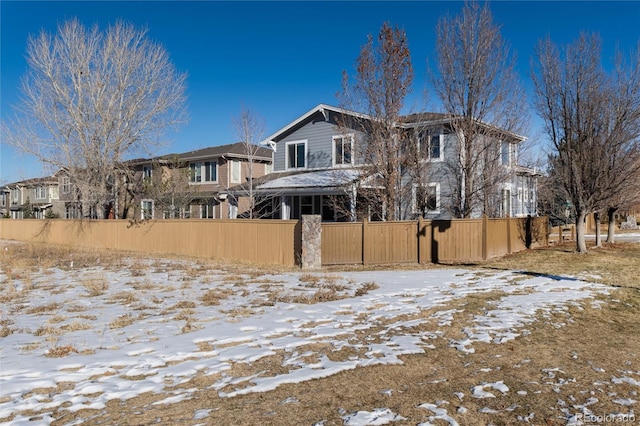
196 184
318 168
5 202
32 198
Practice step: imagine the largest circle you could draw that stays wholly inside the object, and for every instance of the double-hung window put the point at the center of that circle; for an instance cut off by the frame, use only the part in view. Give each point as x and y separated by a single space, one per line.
343 150
296 154
41 192
147 209
66 185
431 146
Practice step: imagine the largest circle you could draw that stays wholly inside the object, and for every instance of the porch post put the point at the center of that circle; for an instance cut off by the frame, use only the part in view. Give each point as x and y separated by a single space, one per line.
352 202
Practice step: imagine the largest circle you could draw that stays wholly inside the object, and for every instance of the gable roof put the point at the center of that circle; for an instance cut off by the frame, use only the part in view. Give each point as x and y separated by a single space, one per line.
320 108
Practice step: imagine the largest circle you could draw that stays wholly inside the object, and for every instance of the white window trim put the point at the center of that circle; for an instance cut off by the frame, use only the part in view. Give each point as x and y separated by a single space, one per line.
153 207
428 159
203 172
147 170
414 196
231 177
441 157
66 184
351 137
306 152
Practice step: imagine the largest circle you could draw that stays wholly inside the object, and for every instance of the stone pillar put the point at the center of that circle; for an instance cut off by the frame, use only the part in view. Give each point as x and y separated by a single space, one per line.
311 242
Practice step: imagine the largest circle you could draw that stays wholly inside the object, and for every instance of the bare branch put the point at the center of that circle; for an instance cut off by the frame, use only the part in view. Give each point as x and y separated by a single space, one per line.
91 99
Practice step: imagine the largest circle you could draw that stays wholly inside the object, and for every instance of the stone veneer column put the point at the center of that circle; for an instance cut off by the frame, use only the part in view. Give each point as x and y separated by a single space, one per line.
311 241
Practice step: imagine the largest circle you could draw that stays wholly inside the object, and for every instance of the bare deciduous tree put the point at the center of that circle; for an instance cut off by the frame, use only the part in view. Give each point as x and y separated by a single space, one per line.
592 119
477 83
384 74
250 128
169 186
90 99
624 134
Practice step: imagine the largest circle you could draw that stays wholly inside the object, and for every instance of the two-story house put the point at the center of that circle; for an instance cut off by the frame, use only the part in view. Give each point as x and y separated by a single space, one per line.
196 184
5 195
319 168
32 198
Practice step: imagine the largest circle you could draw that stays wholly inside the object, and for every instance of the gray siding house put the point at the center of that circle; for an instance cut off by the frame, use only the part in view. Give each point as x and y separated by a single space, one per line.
32 198
319 168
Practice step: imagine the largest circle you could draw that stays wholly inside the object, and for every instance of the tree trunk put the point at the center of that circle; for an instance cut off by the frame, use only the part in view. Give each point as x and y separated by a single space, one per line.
581 244
596 219
611 229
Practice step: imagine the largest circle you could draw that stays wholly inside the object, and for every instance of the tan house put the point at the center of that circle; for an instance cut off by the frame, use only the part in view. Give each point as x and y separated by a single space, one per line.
195 184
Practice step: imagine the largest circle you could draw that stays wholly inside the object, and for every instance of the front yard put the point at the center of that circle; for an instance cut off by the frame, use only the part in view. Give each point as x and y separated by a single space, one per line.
539 337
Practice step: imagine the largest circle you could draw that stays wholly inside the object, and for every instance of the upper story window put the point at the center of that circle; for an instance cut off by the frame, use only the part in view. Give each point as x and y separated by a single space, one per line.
203 172
343 150
15 196
431 146
54 192
235 171
3 198
296 155
508 153
39 192
147 172
66 185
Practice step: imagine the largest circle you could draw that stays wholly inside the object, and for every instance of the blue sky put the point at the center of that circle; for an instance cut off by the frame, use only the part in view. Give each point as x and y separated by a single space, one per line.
280 59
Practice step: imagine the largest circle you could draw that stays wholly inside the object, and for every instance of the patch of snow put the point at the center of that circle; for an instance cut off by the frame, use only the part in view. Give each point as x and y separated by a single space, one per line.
379 416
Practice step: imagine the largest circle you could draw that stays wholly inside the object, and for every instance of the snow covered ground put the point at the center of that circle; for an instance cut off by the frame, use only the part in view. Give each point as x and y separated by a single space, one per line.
115 333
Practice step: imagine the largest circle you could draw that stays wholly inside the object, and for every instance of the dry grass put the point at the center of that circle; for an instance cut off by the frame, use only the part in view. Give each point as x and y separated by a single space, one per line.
617 265
95 286
60 351
546 369
554 366
214 296
122 321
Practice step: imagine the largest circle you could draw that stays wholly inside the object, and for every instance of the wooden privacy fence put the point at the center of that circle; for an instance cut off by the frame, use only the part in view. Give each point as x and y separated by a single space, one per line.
257 241
457 240
281 241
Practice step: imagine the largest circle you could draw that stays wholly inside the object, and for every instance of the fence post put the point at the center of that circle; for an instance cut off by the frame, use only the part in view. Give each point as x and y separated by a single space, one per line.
364 240
508 234
418 236
485 225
